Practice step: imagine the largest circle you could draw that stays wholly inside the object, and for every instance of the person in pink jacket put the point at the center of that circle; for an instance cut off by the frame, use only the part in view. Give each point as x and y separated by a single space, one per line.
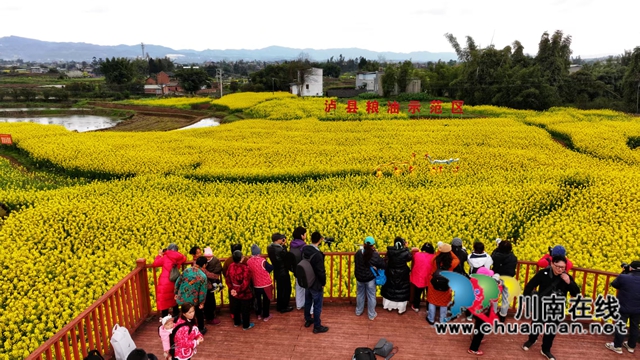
165 297
186 335
421 273
165 331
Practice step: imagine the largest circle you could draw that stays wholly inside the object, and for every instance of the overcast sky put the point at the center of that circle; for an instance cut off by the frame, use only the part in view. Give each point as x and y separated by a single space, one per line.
597 27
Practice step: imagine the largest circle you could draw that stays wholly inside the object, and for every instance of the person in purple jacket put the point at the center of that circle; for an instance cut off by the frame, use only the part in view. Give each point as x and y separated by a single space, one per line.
299 237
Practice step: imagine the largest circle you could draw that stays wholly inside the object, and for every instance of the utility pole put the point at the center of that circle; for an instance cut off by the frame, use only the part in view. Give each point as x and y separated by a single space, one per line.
273 87
142 44
219 75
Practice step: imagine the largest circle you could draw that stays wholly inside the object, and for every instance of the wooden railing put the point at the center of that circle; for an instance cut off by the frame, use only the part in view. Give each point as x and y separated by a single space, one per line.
128 303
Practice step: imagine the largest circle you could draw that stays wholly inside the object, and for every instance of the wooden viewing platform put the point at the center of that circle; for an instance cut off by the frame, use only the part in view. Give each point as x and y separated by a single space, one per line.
285 337
129 304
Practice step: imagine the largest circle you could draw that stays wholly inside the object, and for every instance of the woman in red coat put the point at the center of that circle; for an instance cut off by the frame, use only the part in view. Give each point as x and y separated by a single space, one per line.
165 297
444 260
421 273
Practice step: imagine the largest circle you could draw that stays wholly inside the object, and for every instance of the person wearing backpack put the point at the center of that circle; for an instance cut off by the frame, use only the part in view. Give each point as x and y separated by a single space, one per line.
366 258
185 336
421 273
315 291
299 237
278 255
397 290
444 260
167 259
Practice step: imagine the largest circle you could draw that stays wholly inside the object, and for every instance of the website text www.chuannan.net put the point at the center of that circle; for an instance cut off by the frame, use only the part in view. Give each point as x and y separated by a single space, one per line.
528 328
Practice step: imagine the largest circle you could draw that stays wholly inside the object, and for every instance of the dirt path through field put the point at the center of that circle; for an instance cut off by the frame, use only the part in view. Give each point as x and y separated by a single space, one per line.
15 163
153 118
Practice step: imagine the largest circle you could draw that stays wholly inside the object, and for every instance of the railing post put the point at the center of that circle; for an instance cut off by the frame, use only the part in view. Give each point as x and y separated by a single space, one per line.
145 301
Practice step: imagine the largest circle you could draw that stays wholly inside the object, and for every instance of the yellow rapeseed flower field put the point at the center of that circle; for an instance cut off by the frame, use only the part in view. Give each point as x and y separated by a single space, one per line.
240 101
67 241
178 102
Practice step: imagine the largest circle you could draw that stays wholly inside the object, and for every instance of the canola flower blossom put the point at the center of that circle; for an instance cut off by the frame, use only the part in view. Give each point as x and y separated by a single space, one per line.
240 101
80 237
177 102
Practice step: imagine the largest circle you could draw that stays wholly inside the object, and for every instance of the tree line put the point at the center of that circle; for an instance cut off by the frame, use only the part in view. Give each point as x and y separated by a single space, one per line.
508 77
480 76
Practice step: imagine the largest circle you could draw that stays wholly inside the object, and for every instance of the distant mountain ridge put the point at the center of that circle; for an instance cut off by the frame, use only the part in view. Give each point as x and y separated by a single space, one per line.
15 47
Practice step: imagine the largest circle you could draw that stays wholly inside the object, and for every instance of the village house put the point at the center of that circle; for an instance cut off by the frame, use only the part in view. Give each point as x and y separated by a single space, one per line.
309 85
162 84
370 81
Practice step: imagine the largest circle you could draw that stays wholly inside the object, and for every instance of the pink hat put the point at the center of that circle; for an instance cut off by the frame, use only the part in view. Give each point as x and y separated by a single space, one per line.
208 252
484 271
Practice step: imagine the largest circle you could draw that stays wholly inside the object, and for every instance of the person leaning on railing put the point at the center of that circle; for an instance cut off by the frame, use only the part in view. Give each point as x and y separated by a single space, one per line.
421 274
397 290
366 258
504 263
628 285
278 255
165 297
295 250
213 271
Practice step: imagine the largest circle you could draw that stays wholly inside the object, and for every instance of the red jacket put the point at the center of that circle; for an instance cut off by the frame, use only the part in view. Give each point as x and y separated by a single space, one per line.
440 298
186 340
422 266
545 261
165 287
239 277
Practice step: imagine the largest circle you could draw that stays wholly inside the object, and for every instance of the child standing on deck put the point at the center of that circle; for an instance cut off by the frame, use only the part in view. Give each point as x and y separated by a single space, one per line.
165 332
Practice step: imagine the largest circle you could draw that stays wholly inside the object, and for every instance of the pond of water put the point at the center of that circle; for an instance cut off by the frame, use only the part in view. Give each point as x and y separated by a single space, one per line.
202 124
80 123
38 109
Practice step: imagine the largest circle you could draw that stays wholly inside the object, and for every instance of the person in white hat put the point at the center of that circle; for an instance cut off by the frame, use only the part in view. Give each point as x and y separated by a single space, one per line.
165 331
213 270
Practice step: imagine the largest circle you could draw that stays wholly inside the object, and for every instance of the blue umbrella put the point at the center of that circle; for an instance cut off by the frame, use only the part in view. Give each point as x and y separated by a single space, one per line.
463 296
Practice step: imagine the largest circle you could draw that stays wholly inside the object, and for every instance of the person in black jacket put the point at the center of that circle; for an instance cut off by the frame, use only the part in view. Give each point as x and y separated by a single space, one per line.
549 281
504 260
315 292
504 263
628 285
461 253
278 254
366 281
397 290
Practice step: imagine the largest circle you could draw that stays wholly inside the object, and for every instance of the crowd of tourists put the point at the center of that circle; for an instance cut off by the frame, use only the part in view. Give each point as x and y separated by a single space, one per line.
187 300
